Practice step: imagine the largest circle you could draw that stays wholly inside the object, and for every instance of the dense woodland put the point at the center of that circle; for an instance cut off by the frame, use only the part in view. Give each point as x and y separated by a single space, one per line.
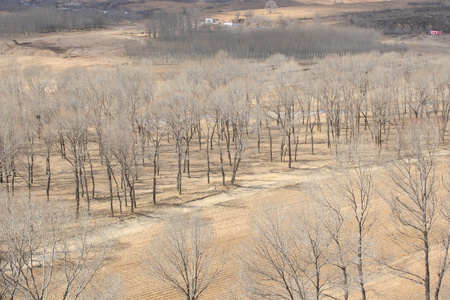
128 128
180 35
417 18
51 19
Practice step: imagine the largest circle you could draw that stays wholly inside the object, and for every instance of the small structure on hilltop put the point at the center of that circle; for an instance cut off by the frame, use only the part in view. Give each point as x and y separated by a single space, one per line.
435 32
231 24
211 21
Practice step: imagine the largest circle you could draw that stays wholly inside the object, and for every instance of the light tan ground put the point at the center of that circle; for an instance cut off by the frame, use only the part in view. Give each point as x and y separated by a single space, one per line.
228 209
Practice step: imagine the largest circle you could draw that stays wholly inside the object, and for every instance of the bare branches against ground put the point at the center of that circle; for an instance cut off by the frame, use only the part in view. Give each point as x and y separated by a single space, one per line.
184 257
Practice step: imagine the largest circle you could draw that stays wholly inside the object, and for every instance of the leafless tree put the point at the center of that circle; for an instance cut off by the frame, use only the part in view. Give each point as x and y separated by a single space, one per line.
341 253
285 104
313 242
330 74
272 266
72 128
218 110
181 115
45 251
380 100
242 122
271 7
184 257
416 205
441 99
155 127
309 100
123 148
356 188
9 146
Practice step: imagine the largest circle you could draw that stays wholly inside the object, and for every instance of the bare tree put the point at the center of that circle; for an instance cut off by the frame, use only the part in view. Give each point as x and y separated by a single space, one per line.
181 114
155 128
9 147
46 251
217 107
184 257
341 253
285 105
415 204
313 243
123 148
357 191
271 7
329 72
272 265
287 254
72 128
241 120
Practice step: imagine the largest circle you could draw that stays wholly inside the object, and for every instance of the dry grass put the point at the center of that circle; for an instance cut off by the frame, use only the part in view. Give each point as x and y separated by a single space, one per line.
227 208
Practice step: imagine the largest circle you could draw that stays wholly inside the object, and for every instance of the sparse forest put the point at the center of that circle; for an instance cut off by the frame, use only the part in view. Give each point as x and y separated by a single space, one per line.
85 151
122 125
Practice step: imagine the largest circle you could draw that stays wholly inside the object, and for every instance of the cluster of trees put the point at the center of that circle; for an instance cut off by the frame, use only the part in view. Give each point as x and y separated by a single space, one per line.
178 35
45 253
44 20
418 18
51 19
168 25
325 248
124 121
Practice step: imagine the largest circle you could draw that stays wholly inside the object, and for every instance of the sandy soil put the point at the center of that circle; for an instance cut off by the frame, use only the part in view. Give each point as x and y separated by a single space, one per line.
69 49
227 208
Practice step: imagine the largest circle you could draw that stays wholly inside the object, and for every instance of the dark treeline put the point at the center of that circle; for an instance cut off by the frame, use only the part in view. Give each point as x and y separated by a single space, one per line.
416 19
51 19
168 25
43 20
301 42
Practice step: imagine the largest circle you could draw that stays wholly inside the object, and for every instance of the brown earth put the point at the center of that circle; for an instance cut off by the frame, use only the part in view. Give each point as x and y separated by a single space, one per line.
227 208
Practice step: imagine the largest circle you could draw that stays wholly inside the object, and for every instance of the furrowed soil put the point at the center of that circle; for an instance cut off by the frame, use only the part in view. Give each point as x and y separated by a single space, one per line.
227 208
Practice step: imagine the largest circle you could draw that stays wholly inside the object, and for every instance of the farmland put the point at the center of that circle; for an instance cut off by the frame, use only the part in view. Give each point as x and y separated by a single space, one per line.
240 142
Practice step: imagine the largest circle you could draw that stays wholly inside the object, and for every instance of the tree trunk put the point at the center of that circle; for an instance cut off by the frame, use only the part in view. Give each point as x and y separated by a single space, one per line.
155 168
111 198
77 189
221 163
443 268
124 185
360 265
179 148
235 168
270 142
92 175
228 138
88 199
427 265
208 169
289 149
49 175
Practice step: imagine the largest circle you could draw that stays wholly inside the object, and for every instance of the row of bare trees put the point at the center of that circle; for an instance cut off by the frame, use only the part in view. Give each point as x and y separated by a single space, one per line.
118 122
50 19
179 36
332 243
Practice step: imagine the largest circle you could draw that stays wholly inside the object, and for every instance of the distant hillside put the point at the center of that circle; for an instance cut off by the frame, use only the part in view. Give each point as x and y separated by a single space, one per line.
416 18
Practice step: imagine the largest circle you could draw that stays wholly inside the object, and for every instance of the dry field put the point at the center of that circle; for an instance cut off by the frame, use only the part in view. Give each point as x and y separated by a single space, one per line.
227 208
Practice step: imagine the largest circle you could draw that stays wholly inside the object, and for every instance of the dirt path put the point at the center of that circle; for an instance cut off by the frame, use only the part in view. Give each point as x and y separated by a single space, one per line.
69 49
251 185
228 212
